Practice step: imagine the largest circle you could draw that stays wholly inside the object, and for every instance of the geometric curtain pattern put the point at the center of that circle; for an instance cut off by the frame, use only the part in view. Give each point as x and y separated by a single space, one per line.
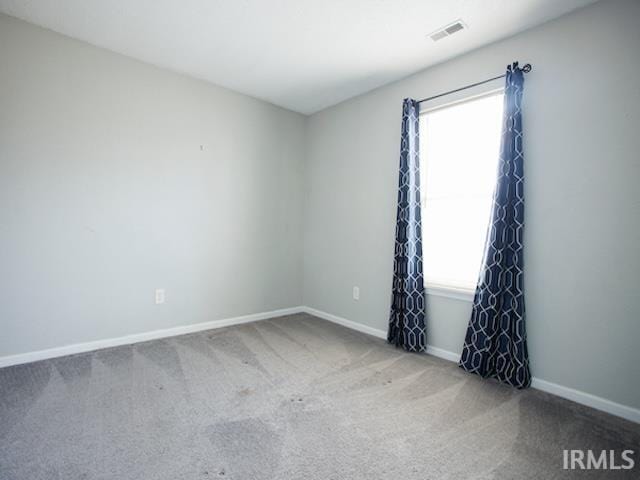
406 320
495 343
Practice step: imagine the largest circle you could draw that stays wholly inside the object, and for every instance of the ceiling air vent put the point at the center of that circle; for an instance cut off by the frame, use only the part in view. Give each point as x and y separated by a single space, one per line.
448 30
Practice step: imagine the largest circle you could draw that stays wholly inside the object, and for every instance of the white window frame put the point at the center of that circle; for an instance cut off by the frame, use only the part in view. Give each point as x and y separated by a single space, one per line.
448 291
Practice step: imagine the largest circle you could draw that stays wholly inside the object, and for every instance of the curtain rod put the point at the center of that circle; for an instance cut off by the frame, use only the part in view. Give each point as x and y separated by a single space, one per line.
525 68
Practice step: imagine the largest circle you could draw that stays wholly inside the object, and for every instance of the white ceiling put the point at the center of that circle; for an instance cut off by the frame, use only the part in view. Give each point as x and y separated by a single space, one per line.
304 55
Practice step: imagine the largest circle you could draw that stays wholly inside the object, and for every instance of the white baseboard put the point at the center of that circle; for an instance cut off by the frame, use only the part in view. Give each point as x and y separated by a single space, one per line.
578 396
584 398
141 337
593 401
374 332
444 354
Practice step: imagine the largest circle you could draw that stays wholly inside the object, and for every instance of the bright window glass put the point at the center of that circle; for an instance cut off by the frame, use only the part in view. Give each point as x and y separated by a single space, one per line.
459 149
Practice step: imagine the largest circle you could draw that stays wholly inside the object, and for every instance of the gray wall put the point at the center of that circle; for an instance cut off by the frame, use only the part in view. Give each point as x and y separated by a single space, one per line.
105 196
581 117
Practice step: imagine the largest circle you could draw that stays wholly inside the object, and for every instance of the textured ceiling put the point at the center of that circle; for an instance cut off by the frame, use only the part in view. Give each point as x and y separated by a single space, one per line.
304 55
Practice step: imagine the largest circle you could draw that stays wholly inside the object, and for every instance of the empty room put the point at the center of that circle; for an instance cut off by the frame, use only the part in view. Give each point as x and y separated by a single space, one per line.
319 239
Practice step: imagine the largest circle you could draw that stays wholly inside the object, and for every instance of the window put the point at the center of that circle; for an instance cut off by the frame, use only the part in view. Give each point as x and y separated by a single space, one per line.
459 149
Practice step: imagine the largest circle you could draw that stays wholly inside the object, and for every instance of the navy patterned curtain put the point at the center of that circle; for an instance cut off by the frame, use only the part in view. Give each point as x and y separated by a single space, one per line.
406 321
496 344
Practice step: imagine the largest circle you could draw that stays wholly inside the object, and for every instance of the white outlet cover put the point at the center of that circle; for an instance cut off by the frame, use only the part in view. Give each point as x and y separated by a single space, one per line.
159 296
356 293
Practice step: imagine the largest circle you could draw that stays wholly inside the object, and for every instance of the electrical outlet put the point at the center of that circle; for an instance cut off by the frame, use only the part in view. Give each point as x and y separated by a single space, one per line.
159 296
356 293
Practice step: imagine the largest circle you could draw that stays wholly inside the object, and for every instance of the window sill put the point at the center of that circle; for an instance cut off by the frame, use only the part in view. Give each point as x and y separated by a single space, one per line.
450 292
